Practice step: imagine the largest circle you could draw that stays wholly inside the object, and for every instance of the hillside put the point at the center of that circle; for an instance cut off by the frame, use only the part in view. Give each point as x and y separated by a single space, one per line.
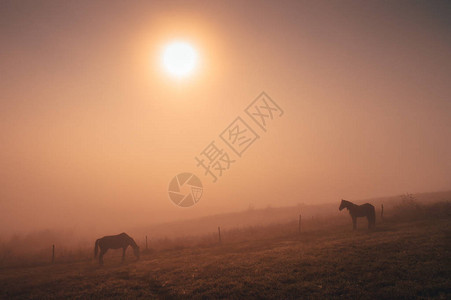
273 215
406 256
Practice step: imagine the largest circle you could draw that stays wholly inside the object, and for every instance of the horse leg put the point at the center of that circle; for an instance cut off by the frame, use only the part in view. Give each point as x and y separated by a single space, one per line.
354 223
123 253
373 219
102 252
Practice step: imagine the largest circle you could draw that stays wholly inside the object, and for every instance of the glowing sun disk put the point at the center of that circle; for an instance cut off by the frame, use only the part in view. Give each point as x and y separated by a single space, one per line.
179 59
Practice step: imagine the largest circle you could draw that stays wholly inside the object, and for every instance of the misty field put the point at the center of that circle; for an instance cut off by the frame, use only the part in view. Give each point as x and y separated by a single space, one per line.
406 256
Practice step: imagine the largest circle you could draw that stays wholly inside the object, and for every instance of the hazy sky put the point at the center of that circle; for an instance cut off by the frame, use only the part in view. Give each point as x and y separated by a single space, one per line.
92 129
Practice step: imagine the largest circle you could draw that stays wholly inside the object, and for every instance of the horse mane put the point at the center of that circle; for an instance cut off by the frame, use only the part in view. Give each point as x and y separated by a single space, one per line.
132 241
347 202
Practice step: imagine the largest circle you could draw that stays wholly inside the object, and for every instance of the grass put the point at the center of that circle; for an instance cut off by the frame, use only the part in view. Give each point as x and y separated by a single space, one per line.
405 257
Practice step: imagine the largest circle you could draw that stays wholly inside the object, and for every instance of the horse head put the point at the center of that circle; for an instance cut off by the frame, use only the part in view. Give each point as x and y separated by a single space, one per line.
342 204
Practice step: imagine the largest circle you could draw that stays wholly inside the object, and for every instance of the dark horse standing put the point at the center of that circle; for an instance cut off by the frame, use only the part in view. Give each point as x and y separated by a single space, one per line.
122 240
364 210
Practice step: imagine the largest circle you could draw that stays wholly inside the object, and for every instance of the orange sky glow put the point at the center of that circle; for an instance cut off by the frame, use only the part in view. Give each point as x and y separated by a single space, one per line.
92 130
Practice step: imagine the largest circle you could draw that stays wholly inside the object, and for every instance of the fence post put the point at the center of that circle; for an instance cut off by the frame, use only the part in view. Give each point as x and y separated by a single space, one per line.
146 242
53 254
299 223
382 211
219 234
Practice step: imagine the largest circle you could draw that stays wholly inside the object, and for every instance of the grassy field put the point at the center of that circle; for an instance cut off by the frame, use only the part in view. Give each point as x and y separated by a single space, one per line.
407 256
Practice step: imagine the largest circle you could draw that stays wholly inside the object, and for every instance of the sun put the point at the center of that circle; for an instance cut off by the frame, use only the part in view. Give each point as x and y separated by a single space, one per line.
180 59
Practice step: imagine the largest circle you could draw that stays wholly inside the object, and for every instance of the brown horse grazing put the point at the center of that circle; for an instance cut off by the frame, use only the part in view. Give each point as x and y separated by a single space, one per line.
364 210
122 240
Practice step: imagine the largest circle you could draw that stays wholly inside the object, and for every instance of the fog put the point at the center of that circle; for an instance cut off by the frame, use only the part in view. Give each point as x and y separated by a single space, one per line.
92 130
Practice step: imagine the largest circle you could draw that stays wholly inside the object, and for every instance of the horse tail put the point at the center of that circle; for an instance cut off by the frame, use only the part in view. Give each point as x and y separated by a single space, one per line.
96 248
